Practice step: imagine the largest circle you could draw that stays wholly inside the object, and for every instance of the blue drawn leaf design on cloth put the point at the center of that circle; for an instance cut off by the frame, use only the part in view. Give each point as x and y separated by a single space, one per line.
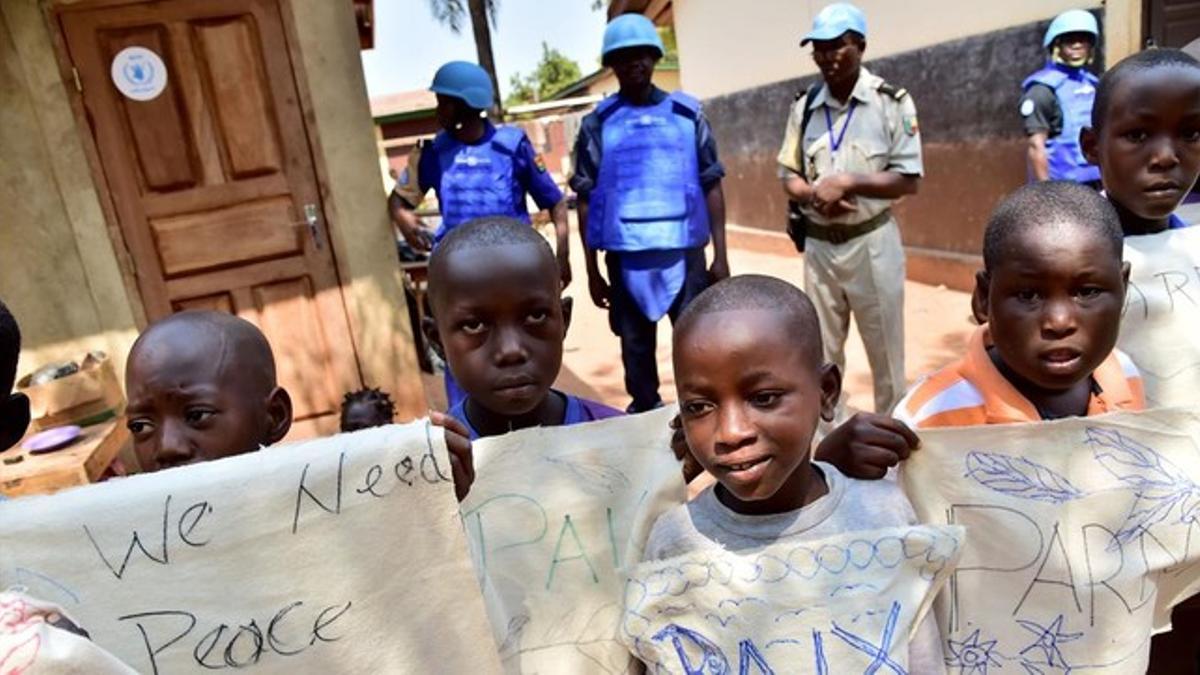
1131 462
1019 477
605 477
1159 485
1145 512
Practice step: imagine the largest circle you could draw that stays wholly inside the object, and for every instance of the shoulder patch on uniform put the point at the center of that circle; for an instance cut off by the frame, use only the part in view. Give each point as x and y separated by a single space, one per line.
539 163
1027 107
911 127
897 93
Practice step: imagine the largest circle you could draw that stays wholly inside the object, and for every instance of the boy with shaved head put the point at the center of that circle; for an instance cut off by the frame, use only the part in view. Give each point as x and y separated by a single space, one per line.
1145 137
752 385
499 321
1049 302
202 386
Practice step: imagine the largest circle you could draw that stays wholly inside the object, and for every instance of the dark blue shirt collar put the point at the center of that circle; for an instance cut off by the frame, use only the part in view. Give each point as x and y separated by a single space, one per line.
656 96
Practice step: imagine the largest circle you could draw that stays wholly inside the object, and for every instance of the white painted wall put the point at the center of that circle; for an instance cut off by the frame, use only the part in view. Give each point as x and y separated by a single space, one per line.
730 45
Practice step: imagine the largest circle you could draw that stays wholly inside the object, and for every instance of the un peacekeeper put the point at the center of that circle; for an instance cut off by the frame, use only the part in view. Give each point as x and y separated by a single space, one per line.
649 186
477 169
859 151
1057 102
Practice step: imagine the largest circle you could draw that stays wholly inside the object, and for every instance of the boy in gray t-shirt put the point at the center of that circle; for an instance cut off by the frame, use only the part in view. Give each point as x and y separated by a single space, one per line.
752 385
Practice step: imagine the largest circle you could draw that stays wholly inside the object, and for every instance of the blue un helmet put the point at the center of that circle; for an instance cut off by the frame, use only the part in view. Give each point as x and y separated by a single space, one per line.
833 21
1071 21
465 80
630 30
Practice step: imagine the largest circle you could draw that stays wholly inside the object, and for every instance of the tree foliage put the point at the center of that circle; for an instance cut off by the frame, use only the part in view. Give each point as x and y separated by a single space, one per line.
554 72
454 14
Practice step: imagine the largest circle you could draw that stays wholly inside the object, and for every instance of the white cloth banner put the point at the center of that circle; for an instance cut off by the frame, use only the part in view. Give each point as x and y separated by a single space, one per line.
554 514
340 555
846 604
1082 535
1160 329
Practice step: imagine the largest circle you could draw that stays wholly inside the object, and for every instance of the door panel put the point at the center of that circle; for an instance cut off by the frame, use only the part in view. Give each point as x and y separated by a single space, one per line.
197 241
212 178
1171 23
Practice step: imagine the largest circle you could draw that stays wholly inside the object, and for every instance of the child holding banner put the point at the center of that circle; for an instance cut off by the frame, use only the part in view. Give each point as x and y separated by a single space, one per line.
1049 302
1145 137
499 321
752 387
202 386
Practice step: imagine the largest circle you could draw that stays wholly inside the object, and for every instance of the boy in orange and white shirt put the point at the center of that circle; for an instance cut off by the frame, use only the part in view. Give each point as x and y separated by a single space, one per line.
1049 300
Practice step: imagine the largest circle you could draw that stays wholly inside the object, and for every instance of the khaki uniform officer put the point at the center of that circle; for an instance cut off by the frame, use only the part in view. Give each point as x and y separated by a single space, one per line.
859 151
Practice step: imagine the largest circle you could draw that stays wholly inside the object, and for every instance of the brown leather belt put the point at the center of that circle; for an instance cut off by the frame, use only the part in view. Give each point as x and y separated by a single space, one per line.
840 234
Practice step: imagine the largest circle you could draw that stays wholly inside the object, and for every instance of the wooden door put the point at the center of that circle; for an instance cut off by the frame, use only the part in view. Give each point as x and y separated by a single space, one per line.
1171 23
212 181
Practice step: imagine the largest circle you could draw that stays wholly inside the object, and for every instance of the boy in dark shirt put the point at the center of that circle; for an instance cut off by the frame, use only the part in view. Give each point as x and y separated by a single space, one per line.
1145 136
499 321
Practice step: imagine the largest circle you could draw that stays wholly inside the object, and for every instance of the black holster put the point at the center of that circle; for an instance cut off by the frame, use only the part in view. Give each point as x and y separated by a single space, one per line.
797 225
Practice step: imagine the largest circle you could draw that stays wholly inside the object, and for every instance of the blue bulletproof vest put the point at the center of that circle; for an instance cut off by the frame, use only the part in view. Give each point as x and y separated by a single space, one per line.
1075 89
648 195
478 180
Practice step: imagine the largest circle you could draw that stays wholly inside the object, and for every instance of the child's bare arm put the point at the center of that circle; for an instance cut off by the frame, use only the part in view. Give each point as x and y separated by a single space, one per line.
867 445
458 445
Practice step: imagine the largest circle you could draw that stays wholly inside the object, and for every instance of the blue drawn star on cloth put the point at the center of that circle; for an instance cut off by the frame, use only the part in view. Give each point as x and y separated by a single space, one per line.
1047 641
971 656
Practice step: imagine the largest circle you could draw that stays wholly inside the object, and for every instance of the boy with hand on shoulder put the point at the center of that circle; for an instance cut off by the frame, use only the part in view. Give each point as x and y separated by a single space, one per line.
1049 302
752 387
202 386
1145 137
499 321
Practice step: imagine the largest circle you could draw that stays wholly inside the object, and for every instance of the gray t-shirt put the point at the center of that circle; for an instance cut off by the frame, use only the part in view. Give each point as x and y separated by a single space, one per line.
851 505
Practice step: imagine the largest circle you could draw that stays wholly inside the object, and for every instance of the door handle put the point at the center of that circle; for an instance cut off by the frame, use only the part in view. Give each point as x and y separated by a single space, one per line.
312 219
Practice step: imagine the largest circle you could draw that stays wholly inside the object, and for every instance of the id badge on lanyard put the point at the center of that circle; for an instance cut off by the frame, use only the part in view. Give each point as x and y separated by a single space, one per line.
835 144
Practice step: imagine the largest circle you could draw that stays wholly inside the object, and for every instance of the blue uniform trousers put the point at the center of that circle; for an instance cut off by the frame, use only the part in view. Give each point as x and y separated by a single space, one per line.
639 334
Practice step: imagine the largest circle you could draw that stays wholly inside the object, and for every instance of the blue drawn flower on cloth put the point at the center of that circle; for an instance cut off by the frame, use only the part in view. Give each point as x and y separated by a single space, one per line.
971 656
1045 645
1019 477
1159 485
